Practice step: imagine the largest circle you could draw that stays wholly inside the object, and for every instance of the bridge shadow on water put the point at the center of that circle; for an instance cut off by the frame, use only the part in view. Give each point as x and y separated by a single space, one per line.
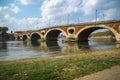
92 44
10 50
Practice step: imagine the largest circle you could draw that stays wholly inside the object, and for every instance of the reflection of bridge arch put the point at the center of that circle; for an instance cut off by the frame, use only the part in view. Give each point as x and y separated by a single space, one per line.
52 34
25 37
35 36
84 33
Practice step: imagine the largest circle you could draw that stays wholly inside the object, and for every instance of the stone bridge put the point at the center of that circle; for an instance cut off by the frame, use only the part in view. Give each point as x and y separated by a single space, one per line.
72 32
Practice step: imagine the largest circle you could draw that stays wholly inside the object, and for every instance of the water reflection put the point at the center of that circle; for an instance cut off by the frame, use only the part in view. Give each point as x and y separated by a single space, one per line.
3 45
35 43
12 50
3 48
83 45
101 44
72 47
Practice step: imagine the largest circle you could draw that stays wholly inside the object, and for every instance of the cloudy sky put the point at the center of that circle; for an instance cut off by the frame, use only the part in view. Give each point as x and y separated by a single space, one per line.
37 14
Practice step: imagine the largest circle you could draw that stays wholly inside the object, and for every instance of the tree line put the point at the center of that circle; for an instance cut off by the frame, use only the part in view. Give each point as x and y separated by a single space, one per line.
3 29
106 33
4 35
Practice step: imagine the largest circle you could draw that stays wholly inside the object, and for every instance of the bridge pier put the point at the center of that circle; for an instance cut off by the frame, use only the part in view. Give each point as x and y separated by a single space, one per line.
118 42
71 39
117 45
42 39
75 39
118 38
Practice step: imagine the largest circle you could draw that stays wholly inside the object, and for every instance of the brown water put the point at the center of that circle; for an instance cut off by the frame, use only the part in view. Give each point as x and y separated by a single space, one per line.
14 50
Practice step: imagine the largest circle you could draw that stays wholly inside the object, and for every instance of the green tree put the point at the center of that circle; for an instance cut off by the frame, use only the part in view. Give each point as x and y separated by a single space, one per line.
106 33
3 33
0 29
109 33
4 29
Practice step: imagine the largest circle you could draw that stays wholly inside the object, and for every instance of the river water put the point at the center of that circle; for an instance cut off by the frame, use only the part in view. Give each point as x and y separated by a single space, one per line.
14 50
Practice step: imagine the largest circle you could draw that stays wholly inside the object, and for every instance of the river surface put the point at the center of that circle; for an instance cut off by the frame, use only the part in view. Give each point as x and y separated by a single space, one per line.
14 50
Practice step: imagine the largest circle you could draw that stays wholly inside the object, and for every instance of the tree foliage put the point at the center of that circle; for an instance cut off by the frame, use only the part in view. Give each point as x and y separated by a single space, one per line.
3 29
106 33
3 33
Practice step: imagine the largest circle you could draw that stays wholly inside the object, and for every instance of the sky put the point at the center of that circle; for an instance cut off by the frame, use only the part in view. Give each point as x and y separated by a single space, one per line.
20 15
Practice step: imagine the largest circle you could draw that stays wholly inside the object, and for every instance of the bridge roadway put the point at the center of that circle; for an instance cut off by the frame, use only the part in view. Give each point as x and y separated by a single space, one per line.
72 32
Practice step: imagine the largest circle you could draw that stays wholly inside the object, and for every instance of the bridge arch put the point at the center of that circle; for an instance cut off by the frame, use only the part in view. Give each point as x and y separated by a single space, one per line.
24 37
18 37
52 34
35 36
84 33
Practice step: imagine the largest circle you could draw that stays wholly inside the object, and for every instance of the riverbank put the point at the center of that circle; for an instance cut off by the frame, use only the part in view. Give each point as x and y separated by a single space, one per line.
112 73
59 68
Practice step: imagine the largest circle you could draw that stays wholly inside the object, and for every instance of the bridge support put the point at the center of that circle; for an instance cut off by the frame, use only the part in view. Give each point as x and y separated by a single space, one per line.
72 39
118 41
118 38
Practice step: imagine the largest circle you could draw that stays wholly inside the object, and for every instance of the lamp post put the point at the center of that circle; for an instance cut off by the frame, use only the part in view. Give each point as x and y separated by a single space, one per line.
68 15
96 14
103 16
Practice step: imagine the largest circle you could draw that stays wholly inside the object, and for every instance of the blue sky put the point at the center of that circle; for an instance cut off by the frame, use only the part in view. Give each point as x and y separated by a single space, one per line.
37 14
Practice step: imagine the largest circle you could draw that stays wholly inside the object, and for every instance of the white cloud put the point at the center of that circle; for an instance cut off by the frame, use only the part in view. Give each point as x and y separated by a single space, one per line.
55 12
11 9
7 19
88 6
107 7
26 2
7 16
111 13
15 9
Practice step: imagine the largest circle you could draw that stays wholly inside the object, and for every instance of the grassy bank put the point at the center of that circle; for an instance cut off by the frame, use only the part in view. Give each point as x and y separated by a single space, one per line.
59 68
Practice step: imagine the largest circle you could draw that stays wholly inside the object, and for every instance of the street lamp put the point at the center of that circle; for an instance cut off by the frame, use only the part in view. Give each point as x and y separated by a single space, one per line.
96 14
103 16
68 18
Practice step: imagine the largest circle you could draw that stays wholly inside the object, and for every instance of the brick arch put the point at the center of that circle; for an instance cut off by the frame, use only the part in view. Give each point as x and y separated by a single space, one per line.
85 32
15 37
35 38
24 37
58 30
18 37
